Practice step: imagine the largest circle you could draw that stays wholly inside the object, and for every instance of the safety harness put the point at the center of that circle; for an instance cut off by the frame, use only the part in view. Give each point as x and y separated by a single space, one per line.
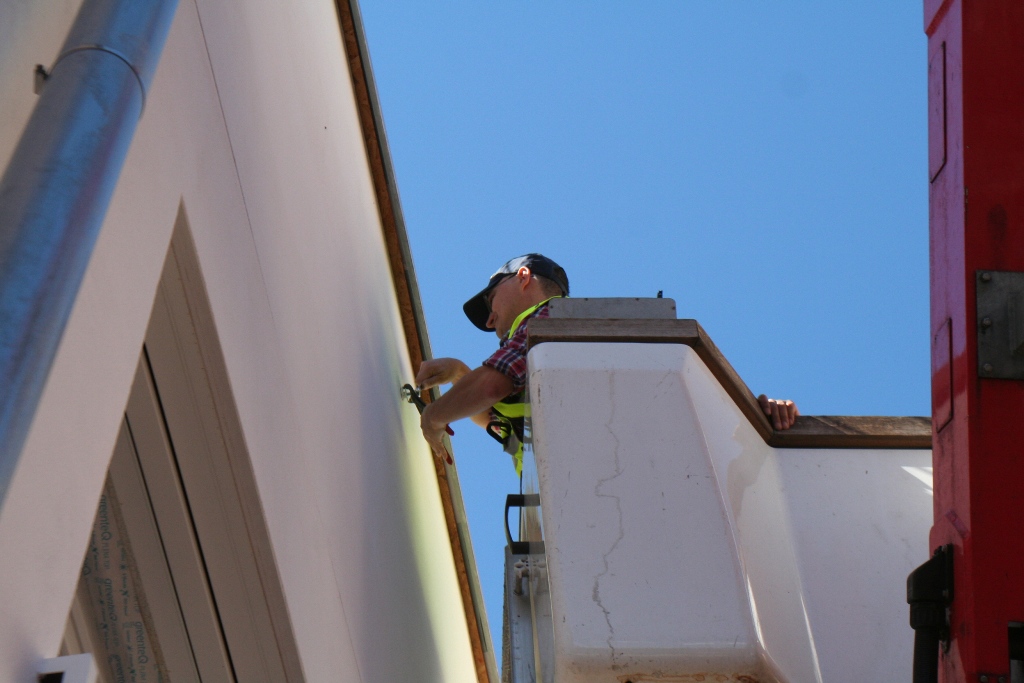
509 415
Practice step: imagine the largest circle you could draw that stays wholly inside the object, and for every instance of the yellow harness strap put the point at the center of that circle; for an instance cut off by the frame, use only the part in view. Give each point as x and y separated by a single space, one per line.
519 408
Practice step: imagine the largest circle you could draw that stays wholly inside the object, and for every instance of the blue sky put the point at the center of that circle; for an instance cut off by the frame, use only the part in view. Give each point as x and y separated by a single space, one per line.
765 164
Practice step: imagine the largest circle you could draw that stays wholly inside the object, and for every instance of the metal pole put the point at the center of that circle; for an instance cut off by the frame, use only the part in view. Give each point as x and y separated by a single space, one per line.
55 192
976 214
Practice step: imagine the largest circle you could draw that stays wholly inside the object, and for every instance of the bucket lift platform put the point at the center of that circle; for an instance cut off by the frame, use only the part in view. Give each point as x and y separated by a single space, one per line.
682 543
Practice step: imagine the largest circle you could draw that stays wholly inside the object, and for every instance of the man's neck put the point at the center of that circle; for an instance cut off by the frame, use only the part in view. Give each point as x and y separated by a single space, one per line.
526 313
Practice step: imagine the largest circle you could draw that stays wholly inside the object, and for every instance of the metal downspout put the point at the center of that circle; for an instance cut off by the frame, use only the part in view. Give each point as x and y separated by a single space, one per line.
56 190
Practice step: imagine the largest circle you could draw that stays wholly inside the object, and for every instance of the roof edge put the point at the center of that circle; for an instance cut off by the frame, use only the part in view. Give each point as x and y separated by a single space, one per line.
413 322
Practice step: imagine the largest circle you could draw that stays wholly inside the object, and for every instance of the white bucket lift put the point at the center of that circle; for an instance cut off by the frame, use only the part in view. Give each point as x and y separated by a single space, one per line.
680 546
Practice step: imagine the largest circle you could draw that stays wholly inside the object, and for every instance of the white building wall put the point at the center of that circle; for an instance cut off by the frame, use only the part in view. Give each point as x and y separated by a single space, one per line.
30 33
251 127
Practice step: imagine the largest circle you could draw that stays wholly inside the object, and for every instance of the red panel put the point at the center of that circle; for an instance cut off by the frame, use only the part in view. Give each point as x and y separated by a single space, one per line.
977 222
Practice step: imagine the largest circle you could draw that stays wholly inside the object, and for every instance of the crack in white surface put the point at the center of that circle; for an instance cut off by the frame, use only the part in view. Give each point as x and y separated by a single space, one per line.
596 592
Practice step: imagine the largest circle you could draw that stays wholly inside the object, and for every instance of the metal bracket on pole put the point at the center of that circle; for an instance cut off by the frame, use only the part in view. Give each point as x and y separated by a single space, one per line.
929 594
40 75
1000 297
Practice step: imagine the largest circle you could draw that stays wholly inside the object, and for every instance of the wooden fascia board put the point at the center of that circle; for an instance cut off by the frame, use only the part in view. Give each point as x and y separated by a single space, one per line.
413 323
810 431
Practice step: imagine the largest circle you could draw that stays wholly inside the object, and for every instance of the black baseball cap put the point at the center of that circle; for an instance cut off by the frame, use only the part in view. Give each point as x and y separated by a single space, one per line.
476 308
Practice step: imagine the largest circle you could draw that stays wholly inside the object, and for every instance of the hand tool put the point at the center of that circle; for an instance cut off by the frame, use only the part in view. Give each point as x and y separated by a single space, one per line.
413 397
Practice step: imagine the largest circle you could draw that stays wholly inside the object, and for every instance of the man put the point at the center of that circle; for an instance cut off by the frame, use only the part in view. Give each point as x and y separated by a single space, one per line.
493 395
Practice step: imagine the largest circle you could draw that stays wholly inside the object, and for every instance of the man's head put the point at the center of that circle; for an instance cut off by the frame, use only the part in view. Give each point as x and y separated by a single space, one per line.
522 282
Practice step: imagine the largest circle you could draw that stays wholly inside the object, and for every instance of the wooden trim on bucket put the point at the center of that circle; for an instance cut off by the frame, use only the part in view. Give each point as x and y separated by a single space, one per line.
810 431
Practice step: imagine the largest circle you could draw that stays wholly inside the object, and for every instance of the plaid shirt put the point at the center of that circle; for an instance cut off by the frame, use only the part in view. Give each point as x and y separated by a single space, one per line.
510 358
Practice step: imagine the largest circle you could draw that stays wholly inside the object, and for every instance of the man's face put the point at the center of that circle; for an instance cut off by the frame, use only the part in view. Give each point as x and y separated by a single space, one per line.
504 304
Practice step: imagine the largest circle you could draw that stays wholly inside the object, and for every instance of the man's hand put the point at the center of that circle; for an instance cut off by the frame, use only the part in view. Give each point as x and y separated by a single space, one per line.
472 395
440 371
781 413
434 434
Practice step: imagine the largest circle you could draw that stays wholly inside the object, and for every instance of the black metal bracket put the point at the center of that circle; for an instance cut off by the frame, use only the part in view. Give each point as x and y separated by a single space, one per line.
1000 307
929 594
39 78
522 500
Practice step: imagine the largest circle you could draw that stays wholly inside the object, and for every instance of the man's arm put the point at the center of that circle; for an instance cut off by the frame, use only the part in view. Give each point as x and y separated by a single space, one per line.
438 371
471 396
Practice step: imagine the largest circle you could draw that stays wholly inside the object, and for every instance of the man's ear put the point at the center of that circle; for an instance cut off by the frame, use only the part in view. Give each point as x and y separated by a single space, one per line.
523 277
